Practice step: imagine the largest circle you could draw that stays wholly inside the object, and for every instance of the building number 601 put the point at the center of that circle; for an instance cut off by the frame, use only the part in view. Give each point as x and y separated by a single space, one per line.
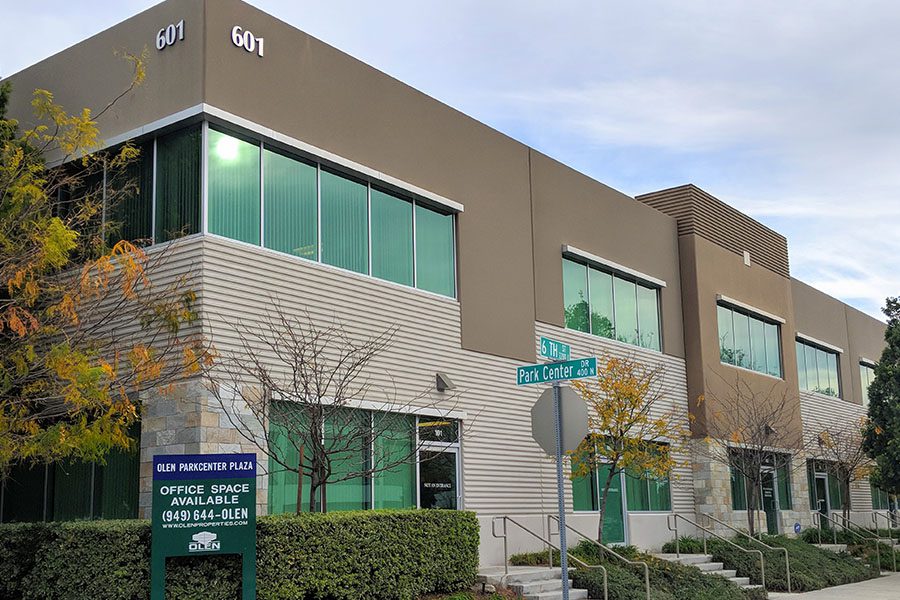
246 40
170 34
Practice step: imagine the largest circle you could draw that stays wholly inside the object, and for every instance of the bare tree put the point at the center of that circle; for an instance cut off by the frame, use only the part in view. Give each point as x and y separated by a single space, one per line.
839 446
748 431
305 378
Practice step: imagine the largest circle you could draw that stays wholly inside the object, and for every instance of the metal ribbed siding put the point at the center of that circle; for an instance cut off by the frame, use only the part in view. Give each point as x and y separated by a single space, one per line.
504 469
819 411
700 213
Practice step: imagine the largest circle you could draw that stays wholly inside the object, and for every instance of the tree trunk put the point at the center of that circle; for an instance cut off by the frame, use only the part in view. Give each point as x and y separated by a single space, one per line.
751 507
300 483
603 498
324 497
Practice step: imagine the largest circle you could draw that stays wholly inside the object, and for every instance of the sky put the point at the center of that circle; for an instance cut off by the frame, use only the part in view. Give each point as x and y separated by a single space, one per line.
788 111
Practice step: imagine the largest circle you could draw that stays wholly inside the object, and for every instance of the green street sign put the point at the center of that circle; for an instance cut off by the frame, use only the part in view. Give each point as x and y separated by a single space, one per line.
554 350
203 504
558 371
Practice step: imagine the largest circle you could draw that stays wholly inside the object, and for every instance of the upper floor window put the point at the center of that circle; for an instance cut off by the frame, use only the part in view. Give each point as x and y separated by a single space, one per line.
610 305
262 196
817 368
866 377
749 341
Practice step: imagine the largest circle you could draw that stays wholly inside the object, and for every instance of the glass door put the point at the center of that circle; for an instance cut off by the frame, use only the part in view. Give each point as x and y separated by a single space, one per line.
822 494
438 478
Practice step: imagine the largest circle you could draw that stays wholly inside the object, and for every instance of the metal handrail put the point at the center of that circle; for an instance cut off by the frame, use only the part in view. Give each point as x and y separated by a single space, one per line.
819 516
787 560
863 532
603 547
574 559
888 520
673 518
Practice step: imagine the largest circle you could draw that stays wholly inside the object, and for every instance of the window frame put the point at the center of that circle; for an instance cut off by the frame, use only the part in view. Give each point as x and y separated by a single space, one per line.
751 315
617 273
820 349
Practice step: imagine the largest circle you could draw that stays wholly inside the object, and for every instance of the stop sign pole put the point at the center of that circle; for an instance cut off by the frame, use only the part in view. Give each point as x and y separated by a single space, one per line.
575 414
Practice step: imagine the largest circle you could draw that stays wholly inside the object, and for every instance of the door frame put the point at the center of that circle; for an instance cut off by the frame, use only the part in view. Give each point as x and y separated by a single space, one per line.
824 478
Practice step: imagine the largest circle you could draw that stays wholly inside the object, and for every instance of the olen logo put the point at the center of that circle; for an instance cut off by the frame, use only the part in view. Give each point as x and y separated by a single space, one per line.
205 541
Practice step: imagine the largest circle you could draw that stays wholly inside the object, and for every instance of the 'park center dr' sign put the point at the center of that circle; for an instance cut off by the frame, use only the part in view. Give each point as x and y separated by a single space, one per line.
203 504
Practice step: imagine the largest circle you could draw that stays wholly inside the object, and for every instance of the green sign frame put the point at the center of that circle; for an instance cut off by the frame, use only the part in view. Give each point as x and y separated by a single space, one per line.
557 371
203 504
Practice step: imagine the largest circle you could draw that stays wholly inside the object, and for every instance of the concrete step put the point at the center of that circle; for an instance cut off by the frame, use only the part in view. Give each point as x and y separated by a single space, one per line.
888 541
726 573
686 559
832 547
708 566
753 586
573 595
537 574
741 581
536 587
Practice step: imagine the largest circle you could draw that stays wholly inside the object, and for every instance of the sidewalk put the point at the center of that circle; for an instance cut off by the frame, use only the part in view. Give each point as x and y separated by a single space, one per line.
883 588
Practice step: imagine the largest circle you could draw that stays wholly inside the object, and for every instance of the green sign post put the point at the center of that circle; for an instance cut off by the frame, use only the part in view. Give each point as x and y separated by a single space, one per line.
557 371
203 504
554 350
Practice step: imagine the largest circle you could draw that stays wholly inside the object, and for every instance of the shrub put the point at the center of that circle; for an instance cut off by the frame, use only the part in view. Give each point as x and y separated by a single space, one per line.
369 554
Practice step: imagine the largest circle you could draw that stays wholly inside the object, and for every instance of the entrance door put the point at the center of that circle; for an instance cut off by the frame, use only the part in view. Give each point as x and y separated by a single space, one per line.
438 479
822 495
769 501
613 521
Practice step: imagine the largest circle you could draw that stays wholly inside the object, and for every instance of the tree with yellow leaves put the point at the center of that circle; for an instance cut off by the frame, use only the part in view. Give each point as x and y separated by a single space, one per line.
83 331
630 430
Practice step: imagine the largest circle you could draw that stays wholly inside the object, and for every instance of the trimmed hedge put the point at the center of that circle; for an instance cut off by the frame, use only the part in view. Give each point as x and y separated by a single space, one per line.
345 555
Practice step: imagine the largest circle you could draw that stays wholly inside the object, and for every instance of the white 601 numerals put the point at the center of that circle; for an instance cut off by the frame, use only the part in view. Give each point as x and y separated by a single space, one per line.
246 40
170 34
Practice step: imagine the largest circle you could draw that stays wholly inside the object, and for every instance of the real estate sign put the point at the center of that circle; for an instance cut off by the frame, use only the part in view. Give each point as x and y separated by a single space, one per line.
203 504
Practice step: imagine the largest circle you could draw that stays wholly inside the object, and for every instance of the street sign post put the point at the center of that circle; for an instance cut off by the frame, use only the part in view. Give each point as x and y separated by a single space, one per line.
203 504
554 350
555 372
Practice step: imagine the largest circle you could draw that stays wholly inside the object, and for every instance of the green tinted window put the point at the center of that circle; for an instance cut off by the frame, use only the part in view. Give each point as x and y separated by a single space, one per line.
738 490
119 482
636 493
742 340
392 238
394 445
811 483
291 205
660 494
345 227
178 184
130 199
284 462
72 490
348 458
435 269
866 376
648 316
820 368
835 494
757 345
785 501
233 189
24 494
575 296
773 350
601 302
625 296
726 334
801 365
